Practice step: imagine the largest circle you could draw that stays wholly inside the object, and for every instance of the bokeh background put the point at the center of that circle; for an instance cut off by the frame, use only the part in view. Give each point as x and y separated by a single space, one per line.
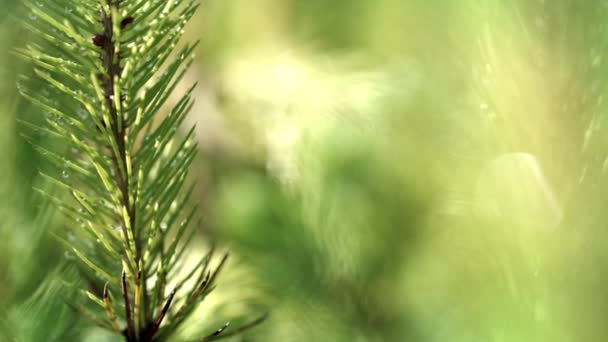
382 170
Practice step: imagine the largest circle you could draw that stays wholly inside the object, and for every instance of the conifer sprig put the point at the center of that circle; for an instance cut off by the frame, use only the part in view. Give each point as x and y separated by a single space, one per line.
106 68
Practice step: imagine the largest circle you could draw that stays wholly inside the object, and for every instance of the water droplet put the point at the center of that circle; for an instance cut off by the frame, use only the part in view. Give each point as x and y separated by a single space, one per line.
163 226
65 174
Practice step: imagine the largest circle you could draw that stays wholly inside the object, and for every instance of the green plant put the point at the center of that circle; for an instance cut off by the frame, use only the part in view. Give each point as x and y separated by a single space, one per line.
104 69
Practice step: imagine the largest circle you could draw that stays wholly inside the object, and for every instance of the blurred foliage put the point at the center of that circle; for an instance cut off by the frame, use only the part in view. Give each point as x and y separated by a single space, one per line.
382 170
32 297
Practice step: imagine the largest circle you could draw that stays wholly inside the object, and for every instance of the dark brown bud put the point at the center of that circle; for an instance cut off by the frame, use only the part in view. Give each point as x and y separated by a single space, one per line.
99 40
126 21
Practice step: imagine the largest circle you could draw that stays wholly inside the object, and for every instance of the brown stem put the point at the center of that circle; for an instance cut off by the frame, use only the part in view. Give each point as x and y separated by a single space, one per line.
108 308
111 62
130 331
156 325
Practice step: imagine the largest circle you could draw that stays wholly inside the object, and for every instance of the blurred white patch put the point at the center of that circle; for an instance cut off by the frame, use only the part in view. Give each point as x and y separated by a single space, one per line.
281 141
513 188
295 99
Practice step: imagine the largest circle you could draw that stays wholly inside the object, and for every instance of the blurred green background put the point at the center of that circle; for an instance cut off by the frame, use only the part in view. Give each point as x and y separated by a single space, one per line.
382 170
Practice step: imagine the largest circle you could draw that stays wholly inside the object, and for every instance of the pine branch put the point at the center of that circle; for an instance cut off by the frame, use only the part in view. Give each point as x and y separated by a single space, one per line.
106 70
